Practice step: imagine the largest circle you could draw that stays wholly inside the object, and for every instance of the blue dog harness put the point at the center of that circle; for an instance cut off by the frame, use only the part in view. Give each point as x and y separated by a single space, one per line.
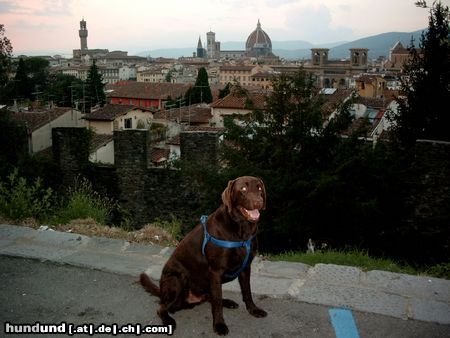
227 244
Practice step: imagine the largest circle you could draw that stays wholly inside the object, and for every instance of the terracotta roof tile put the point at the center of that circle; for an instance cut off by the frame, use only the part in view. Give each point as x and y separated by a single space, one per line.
35 120
159 155
189 114
100 140
147 90
109 112
236 101
331 101
374 102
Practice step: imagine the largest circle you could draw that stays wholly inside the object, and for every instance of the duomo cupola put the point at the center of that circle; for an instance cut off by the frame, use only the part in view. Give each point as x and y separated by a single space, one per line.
258 43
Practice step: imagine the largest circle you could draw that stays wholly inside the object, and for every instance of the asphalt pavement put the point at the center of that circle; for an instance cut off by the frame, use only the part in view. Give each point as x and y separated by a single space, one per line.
66 279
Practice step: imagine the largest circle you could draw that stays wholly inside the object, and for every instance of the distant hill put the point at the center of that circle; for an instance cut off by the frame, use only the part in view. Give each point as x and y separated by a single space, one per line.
292 49
378 45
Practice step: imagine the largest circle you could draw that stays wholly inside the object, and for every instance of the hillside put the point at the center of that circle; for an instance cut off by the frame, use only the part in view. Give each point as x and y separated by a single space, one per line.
298 49
378 44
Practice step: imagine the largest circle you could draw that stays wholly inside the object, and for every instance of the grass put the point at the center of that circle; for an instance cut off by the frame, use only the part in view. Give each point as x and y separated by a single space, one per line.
361 259
168 233
84 211
82 201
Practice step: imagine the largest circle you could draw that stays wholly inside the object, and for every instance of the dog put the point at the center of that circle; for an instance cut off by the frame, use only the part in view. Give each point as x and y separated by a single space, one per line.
219 249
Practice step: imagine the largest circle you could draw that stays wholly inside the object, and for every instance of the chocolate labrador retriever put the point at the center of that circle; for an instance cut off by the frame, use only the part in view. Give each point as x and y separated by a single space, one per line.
216 251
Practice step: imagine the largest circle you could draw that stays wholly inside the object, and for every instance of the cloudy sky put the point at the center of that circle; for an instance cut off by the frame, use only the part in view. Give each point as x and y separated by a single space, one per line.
139 25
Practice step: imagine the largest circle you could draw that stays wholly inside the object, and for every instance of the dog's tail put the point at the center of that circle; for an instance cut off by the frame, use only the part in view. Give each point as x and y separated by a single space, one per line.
148 285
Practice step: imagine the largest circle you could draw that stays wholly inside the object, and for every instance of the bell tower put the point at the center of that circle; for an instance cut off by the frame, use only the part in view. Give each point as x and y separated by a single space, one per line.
83 33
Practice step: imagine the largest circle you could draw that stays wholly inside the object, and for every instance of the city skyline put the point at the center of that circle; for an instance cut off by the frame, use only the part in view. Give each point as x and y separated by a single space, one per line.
52 25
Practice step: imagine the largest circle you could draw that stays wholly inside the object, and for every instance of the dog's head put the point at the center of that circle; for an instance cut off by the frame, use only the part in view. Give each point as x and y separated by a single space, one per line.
245 196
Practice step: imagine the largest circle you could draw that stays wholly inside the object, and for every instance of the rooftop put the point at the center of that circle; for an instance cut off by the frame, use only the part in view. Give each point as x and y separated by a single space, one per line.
109 112
35 120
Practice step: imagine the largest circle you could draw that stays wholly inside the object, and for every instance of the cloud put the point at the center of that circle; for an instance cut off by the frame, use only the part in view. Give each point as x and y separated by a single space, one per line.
42 8
278 3
10 7
315 25
54 8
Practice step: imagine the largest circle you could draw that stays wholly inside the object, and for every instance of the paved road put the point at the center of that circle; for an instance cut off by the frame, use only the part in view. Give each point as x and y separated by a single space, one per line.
47 292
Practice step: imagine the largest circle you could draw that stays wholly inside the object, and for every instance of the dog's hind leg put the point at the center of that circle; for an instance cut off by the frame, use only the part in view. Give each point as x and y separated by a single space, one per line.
171 299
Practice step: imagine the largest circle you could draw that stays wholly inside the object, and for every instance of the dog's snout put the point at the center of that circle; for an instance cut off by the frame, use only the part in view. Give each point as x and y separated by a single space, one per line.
258 203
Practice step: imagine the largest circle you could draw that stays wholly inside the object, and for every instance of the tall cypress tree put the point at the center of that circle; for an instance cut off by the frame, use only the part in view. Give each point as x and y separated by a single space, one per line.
95 94
5 56
201 92
426 83
22 82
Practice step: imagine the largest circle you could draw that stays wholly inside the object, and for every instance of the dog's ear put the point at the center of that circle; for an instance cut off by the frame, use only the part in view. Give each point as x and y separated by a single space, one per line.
227 197
263 193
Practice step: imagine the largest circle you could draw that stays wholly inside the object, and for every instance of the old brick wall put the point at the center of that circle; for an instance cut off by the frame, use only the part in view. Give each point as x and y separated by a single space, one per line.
199 146
431 198
71 151
145 193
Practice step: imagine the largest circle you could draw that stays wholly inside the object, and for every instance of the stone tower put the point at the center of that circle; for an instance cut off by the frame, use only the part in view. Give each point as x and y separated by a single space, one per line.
210 43
319 56
200 51
358 57
83 35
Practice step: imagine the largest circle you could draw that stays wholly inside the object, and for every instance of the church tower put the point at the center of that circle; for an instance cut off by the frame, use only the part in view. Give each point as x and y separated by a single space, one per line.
200 50
210 44
83 35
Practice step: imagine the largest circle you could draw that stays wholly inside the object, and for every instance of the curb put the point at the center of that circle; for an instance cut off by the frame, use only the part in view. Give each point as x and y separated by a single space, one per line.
387 293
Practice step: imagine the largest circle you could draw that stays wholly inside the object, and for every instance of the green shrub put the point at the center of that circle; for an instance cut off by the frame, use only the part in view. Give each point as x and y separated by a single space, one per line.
439 270
20 200
84 202
349 257
173 227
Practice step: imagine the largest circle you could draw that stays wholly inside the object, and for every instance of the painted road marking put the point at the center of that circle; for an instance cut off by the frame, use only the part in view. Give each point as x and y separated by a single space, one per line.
343 323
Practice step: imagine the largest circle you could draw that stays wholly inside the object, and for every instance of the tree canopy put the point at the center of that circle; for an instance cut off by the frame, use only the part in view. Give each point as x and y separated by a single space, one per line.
426 83
95 87
5 55
201 91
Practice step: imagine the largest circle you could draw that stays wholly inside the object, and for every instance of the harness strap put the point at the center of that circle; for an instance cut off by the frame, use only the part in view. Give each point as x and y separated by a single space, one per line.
227 244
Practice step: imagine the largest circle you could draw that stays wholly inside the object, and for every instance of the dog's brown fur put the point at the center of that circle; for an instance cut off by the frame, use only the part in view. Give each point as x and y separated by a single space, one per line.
189 277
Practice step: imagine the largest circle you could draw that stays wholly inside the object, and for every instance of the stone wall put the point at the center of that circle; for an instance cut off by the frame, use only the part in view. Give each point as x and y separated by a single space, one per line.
431 198
199 147
71 151
145 193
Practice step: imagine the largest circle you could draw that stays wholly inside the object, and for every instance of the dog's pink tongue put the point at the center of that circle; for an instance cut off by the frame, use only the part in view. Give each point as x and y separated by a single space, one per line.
254 214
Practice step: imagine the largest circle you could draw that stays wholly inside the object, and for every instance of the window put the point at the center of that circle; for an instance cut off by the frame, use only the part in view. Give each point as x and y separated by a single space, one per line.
128 123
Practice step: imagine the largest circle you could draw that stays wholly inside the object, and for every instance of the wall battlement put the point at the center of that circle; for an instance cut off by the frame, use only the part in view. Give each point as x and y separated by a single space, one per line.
146 193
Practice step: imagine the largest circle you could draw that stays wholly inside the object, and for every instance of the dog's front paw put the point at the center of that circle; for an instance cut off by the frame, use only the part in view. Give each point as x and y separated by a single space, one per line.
221 329
257 312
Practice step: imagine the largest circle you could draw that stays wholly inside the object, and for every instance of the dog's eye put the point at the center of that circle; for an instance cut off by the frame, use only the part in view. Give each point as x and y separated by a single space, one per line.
244 188
259 188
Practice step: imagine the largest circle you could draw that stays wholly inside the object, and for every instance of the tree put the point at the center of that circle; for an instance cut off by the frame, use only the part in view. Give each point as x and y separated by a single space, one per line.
289 146
201 91
95 87
22 83
225 91
13 139
168 77
5 55
426 83
63 89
